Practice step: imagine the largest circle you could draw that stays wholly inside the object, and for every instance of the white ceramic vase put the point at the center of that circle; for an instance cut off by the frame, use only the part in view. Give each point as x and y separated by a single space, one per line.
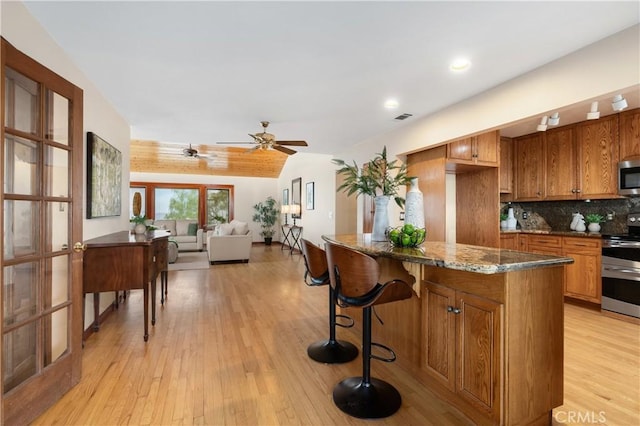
594 227
140 228
380 218
414 206
511 220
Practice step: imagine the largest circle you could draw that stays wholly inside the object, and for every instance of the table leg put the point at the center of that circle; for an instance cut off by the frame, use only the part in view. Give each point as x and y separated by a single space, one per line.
164 284
153 301
96 311
145 298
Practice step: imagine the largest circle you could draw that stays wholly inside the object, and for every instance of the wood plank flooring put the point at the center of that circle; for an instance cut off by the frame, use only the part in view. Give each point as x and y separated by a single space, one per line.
229 347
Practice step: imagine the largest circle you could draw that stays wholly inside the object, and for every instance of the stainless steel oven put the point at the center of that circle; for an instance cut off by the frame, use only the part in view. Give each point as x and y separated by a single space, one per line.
621 270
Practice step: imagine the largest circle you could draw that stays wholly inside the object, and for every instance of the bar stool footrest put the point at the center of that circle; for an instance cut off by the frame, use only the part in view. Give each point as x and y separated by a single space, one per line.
332 351
374 400
349 322
392 358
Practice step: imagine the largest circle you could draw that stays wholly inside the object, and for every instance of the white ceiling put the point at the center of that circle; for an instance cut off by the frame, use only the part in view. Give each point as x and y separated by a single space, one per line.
201 72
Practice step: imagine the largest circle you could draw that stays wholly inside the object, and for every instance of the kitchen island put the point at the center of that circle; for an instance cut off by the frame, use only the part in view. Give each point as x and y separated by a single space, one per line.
484 329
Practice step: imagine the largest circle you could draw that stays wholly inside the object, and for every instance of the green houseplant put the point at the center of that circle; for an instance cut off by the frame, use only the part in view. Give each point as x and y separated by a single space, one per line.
380 179
594 220
266 215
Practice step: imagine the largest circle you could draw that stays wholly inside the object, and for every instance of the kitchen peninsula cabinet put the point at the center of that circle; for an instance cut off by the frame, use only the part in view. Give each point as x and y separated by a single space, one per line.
483 330
462 346
630 135
529 167
479 150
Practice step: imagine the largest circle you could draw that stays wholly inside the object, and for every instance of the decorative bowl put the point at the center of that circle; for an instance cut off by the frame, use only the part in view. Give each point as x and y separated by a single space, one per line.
407 236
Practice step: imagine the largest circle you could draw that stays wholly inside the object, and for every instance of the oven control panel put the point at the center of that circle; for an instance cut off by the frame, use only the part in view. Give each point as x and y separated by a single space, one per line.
633 219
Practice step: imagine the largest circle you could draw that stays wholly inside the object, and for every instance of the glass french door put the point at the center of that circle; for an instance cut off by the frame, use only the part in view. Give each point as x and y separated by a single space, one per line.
41 287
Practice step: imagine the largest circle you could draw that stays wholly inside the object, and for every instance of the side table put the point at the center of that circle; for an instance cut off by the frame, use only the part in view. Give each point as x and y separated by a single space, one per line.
292 235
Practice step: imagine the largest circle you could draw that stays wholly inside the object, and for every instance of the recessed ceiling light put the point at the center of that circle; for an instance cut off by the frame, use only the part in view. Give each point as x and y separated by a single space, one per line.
460 64
391 104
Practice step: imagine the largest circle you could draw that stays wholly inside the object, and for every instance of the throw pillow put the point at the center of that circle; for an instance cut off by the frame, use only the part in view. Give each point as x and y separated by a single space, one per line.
226 229
240 228
192 229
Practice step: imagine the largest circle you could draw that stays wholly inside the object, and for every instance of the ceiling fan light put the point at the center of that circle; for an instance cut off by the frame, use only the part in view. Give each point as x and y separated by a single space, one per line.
619 103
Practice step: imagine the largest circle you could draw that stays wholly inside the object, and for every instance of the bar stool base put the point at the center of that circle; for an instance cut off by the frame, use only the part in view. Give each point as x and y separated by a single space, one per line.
332 351
376 400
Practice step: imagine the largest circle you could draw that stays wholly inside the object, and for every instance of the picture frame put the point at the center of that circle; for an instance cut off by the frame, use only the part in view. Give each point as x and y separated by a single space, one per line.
296 198
310 198
104 178
285 197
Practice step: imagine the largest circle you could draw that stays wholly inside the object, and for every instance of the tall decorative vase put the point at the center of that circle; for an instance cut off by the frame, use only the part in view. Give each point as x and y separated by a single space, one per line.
511 220
414 207
380 218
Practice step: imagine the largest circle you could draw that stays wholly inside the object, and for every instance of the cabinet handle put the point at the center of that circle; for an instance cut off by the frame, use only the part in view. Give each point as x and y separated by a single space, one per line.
454 310
573 191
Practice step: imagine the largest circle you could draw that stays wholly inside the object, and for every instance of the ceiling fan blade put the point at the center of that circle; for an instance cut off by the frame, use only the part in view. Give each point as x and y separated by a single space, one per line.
283 149
236 143
292 143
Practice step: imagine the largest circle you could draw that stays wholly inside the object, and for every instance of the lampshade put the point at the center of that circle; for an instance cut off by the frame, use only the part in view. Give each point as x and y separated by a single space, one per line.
285 208
294 209
619 103
594 114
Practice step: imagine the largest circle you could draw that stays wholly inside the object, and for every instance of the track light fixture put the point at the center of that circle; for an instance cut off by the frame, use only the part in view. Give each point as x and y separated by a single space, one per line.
543 124
594 114
554 120
619 103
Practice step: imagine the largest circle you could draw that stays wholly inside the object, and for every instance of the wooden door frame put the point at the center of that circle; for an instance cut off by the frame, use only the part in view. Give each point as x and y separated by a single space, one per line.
22 406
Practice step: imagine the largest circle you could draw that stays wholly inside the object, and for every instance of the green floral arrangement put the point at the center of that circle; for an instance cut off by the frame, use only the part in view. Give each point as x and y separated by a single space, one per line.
594 218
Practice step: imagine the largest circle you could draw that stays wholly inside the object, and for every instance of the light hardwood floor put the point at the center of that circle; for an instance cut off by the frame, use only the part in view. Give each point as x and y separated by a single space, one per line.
229 347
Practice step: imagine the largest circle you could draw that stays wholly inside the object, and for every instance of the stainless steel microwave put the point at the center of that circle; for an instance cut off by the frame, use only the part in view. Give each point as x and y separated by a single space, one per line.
629 177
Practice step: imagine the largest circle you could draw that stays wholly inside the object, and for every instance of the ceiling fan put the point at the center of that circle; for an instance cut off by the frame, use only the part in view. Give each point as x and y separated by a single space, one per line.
193 153
264 140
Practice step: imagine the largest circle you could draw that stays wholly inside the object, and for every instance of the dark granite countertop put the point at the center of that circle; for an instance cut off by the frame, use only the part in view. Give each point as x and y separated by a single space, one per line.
552 232
461 257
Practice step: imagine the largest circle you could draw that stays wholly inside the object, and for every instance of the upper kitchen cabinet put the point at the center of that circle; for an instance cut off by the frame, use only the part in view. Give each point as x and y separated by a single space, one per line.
481 150
506 165
561 166
630 135
529 164
598 154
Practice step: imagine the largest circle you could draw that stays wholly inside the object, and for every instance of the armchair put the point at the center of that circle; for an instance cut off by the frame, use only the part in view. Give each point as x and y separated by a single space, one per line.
229 241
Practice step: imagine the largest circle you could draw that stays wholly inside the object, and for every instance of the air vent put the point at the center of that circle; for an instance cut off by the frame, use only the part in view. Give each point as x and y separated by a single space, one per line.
403 116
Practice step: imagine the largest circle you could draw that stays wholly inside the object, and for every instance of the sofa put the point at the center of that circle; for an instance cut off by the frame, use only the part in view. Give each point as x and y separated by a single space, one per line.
185 232
229 241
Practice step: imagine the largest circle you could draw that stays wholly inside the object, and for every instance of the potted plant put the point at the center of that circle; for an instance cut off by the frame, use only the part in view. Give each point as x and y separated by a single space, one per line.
380 179
594 220
266 215
139 224
503 220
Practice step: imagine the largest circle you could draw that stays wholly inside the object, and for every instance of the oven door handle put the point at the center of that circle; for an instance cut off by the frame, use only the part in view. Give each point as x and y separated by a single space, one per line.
624 270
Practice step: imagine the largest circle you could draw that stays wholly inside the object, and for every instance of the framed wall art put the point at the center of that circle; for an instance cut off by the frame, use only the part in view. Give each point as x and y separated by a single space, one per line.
104 178
296 198
310 195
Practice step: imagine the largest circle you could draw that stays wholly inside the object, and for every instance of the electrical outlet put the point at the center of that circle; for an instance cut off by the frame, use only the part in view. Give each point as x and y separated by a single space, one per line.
610 216
525 215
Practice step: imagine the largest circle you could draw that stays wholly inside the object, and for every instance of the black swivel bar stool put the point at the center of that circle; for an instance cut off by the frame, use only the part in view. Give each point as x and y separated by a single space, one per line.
330 351
355 277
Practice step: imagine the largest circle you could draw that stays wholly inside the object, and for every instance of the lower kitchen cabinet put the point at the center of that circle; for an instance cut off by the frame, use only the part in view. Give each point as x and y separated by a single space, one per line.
509 241
462 346
583 278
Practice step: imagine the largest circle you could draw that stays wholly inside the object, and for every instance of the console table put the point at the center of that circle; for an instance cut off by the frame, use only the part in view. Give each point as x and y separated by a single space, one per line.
123 261
292 235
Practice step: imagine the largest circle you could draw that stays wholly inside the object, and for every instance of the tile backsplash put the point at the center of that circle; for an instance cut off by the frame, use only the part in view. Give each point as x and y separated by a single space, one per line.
558 214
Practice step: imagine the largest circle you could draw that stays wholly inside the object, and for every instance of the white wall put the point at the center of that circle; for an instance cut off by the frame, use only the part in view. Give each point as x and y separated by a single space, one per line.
318 169
20 29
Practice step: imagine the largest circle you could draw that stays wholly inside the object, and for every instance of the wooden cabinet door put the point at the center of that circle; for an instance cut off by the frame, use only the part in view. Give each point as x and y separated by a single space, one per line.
598 157
506 165
561 167
529 166
487 148
439 334
478 326
509 241
461 150
629 134
583 278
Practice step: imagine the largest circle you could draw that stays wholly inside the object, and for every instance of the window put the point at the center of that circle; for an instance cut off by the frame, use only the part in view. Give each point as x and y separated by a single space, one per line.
208 204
